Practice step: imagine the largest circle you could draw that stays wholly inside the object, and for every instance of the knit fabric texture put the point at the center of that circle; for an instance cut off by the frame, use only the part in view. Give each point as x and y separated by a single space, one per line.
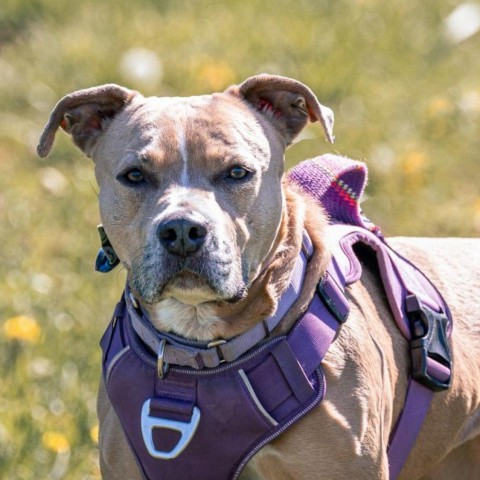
337 183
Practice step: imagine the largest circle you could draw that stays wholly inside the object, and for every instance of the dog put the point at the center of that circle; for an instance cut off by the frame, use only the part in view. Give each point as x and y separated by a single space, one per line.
194 201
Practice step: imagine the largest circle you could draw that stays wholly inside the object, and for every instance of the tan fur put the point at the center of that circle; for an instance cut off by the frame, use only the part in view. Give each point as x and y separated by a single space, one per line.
185 146
346 436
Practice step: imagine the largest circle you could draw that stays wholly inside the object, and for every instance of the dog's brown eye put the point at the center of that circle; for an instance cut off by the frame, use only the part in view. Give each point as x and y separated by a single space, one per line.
238 173
134 176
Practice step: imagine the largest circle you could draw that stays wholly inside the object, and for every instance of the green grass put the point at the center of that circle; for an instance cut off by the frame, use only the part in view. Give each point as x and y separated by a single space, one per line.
406 98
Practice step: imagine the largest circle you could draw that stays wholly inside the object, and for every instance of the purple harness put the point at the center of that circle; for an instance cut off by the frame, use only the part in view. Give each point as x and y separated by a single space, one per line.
203 410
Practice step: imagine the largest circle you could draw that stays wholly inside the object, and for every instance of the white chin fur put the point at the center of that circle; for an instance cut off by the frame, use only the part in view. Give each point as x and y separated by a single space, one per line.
195 321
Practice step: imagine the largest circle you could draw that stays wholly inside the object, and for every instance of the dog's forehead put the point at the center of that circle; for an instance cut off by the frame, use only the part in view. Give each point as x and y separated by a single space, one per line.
205 126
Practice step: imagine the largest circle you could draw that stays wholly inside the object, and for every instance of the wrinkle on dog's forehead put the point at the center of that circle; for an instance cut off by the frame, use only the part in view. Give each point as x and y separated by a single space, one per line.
225 128
189 134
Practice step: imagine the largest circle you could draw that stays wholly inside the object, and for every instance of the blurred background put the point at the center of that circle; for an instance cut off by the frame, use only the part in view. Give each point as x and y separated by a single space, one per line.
403 78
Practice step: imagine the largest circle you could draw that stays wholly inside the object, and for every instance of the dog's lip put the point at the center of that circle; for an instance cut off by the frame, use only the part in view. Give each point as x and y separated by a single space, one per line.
199 267
186 274
186 284
187 280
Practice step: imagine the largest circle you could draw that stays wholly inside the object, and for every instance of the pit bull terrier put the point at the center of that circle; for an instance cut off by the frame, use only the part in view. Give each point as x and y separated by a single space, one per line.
194 202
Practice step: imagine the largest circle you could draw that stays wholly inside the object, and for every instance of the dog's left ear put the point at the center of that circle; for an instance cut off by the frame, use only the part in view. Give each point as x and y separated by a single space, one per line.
287 103
84 115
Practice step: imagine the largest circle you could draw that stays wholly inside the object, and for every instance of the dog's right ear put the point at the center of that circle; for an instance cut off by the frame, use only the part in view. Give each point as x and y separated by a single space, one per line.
84 115
287 103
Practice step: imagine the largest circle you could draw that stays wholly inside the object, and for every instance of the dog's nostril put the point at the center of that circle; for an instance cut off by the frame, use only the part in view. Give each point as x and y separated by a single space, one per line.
197 233
181 236
169 235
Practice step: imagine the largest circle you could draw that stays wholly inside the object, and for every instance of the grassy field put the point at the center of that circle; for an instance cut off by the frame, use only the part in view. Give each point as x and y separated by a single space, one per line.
403 84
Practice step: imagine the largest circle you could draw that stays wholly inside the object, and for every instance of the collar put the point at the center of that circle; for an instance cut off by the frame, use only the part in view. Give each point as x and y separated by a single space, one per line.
173 350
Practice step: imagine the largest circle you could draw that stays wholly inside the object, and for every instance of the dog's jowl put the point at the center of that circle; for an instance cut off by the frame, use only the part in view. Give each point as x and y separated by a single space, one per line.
267 329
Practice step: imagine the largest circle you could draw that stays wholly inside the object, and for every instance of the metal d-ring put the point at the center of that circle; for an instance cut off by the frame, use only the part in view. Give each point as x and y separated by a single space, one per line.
162 366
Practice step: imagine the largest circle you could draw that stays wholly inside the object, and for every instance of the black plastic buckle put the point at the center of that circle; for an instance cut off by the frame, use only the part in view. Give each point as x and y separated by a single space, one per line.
429 340
334 298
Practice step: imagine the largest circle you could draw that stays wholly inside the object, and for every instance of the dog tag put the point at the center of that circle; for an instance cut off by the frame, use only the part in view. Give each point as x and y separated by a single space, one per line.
107 258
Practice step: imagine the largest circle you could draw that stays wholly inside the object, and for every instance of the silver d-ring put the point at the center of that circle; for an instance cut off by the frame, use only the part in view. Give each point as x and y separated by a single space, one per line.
162 366
134 301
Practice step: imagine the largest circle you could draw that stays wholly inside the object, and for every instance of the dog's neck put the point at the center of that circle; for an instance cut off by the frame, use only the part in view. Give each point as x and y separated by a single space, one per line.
212 320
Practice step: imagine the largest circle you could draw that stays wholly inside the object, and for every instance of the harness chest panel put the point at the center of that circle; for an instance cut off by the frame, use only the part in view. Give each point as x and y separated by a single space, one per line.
239 406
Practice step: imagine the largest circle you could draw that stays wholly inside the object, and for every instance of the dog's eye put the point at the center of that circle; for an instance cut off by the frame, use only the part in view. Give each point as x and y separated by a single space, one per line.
134 176
238 173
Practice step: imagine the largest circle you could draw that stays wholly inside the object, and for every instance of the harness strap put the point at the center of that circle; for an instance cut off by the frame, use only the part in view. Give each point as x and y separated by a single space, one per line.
428 376
279 380
312 336
408 292
404 435
415 410
398 280
404 285
294 360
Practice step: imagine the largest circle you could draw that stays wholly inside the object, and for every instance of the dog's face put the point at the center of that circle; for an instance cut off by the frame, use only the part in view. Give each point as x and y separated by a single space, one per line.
190 188
184 191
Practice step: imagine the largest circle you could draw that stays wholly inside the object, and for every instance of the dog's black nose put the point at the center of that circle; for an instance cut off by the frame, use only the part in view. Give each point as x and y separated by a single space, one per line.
181 236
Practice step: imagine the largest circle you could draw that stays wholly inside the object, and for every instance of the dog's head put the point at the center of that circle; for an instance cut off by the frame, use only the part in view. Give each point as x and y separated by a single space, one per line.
190 188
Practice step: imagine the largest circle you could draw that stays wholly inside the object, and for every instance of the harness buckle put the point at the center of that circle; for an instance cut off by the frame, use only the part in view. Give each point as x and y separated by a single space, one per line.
429 342
334 298
216 344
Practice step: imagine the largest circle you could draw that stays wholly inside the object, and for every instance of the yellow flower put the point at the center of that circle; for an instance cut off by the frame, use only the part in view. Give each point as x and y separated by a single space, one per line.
94 434
56 442
439 106
414 162
22 328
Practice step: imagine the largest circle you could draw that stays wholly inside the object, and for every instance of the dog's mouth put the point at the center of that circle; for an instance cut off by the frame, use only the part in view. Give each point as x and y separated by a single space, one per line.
187 280
203 278
190 288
